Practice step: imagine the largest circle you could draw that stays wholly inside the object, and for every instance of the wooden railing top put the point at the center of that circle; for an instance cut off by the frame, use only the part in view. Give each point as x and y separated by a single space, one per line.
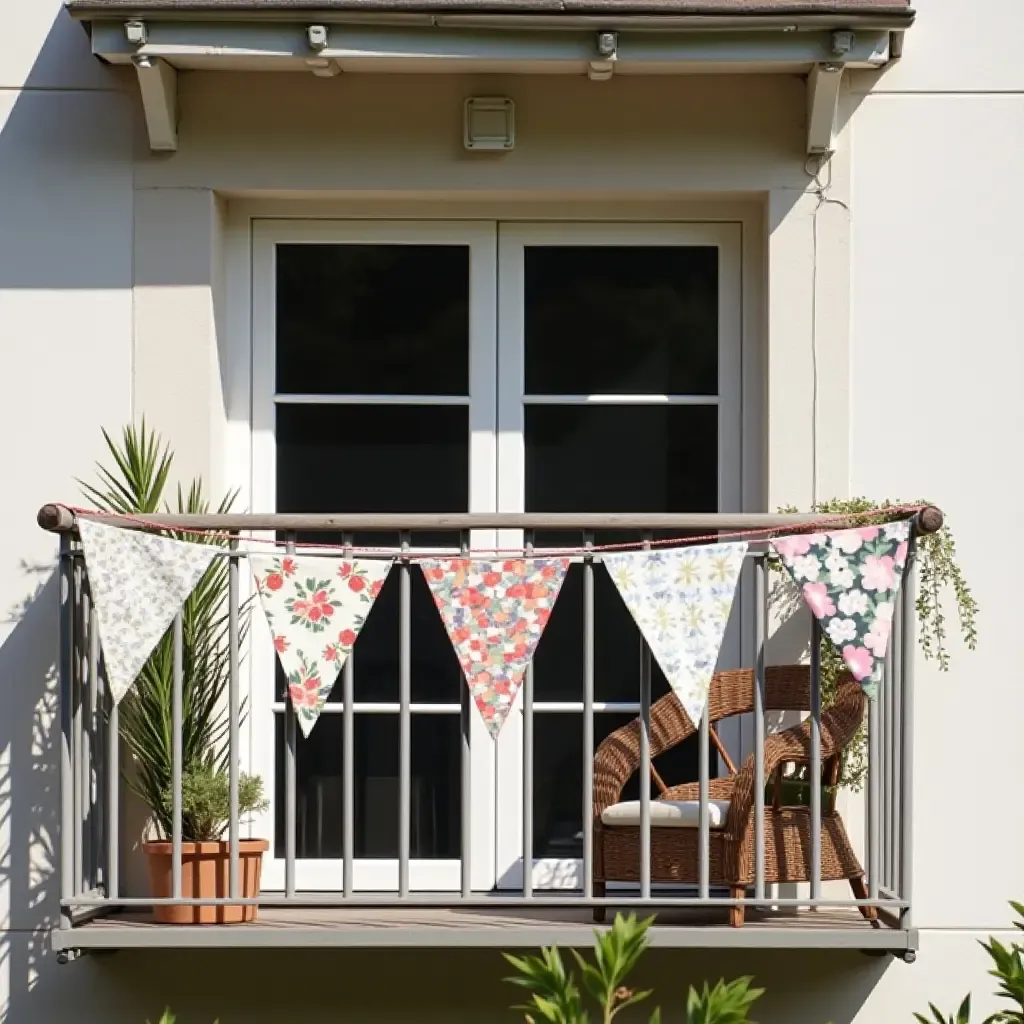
62 519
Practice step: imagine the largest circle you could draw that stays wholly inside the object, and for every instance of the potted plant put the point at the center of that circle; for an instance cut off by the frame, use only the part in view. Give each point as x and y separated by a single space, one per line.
135 485
205 855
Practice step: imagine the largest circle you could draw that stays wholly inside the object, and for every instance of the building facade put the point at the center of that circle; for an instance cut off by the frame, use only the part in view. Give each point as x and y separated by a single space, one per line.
858 312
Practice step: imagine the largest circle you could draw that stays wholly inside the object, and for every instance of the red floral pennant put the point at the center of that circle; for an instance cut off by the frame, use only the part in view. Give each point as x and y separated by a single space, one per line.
495 613
315 608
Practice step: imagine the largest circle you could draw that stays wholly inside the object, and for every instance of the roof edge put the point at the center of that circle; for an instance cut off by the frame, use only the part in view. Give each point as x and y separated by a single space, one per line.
698 13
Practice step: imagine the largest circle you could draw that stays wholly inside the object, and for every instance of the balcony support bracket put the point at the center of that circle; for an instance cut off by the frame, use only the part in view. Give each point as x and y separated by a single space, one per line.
159 88
823 108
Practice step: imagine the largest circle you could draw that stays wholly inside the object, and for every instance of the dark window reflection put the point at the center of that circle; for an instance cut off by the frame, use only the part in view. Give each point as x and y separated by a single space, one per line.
435 810
373 459
373 319
621 320
617 458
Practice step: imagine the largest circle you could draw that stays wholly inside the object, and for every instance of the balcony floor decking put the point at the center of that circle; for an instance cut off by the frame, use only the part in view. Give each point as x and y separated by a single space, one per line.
532 927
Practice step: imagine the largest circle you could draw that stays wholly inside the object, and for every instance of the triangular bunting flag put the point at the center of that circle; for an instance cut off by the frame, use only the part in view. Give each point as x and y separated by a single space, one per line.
681 599
315 608
138 583
850 579
495 612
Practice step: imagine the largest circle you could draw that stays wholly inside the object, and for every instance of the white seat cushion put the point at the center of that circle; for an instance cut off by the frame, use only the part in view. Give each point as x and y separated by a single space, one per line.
667 813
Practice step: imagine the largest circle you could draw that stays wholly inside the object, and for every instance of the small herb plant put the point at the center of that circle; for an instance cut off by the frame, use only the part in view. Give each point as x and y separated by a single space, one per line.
556 997
938 575
206 801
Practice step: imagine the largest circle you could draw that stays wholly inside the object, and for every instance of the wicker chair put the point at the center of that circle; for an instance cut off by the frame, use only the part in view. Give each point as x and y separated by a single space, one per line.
674 850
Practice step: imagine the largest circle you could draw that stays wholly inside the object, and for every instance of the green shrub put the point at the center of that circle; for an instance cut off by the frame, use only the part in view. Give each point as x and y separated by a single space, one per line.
555 995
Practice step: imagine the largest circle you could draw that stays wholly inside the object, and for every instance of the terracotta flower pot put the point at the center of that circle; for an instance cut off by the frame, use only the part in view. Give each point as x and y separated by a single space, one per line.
205 874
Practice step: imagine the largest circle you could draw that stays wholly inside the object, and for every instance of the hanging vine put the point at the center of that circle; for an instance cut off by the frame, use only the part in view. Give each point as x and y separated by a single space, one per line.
939 577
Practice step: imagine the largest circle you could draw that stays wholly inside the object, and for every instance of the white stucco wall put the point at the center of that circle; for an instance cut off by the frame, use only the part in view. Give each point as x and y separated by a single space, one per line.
114 302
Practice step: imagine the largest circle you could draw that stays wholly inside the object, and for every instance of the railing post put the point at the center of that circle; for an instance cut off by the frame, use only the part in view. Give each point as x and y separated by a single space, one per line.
290 756
348 762
815 767
874 795
588 718
760 615
908 622
645 763
234 712
467 710
67 782
176 754
96 761
528 765
79 757
404 717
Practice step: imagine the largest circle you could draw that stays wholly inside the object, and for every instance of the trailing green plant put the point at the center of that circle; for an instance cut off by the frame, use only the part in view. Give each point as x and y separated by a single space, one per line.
135 484
556 997
1007 969
938 575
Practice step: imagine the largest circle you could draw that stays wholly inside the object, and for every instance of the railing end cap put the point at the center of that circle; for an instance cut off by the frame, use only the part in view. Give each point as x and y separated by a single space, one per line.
56 518
930 519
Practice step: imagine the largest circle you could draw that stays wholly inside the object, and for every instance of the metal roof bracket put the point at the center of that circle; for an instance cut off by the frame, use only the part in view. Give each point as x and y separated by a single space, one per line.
158 85
822 107
601 68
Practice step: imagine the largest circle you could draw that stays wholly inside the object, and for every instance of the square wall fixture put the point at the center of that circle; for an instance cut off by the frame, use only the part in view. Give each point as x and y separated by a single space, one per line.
489 123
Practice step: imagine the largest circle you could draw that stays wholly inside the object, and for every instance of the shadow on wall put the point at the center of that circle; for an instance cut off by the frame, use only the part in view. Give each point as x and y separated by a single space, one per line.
349 986
29 787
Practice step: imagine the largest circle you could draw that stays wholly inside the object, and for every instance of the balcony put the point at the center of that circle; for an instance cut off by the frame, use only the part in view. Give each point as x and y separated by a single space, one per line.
761 861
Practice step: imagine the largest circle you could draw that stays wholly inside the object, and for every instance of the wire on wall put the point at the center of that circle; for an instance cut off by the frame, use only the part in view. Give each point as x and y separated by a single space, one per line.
820 188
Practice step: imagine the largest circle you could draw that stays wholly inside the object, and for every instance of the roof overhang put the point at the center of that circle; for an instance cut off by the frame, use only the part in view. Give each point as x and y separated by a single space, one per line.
595 38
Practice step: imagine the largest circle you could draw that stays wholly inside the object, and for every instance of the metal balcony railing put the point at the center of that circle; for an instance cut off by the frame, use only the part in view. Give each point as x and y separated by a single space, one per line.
92 897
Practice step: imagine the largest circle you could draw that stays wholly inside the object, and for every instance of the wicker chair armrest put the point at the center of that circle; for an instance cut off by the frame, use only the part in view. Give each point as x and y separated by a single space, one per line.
839 725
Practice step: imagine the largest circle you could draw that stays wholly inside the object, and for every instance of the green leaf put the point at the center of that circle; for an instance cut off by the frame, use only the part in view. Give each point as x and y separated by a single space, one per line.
725 1003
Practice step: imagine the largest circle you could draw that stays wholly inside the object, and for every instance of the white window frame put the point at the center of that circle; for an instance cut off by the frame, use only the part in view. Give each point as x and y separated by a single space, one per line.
253 230
376 874
566 873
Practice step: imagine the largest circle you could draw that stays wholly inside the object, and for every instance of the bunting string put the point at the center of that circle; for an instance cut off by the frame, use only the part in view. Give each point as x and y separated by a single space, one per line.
763 534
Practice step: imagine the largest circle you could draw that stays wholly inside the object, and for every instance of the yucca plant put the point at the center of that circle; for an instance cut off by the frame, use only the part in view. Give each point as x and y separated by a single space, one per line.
556 996
134 485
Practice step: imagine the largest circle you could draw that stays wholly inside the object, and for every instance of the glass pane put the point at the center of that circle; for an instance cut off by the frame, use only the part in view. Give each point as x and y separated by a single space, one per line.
435 811
373 319
558 662
558 777
373 459
621 320
620 459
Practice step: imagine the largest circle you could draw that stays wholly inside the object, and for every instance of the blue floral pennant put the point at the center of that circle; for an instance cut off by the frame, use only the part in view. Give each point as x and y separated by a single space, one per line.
849 580
681 599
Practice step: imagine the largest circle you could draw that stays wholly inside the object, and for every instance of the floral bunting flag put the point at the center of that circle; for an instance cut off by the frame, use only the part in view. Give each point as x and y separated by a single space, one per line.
681 599
315 608
495 612
138 582
849 580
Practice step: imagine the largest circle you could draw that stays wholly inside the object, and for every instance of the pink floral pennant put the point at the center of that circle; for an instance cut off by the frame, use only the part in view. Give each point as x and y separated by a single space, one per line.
495 613
850 580
315 608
